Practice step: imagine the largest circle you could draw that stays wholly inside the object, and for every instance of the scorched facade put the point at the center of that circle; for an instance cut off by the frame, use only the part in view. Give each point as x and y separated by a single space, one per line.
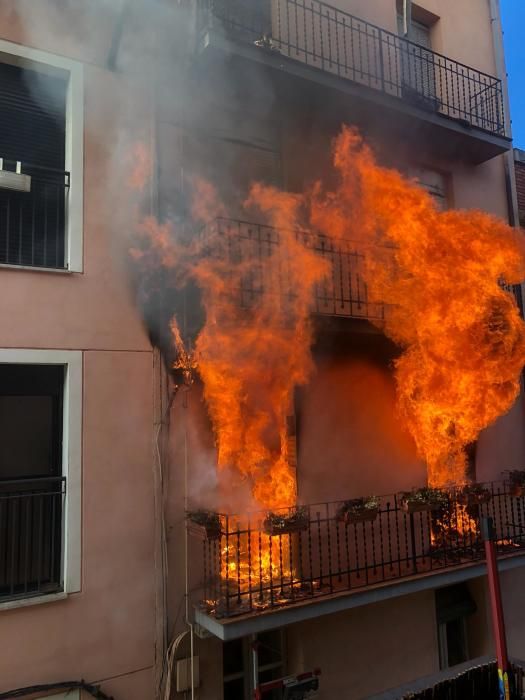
112 115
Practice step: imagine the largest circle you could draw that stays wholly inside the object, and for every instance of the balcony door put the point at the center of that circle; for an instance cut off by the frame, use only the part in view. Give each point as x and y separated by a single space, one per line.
418 79
31 482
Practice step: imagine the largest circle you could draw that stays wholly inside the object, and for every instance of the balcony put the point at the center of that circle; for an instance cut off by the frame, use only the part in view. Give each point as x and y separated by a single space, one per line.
257 247
259 564
31 518
455 104
32 216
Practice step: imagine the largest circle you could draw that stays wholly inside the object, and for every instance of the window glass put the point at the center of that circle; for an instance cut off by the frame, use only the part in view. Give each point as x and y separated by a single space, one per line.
30 420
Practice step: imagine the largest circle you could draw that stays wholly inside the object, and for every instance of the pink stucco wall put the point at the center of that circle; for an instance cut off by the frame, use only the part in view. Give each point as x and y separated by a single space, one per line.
106 631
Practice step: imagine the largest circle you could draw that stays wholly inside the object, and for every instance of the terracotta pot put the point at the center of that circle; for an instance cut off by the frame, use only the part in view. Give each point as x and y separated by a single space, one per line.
417 507
271 528
204 532
358 516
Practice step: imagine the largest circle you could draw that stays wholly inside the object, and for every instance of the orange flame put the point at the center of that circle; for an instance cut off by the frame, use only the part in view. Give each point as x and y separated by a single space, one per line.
439 275
251 361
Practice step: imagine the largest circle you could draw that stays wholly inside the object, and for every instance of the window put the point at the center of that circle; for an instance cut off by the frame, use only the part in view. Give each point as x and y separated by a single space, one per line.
454 605
237 662
434 182
41 133
39 473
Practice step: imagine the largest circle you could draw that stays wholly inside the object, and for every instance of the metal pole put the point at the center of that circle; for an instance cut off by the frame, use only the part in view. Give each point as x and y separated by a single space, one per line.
498 622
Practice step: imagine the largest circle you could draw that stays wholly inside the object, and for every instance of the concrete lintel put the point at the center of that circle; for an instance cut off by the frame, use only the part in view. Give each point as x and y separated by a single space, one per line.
241 626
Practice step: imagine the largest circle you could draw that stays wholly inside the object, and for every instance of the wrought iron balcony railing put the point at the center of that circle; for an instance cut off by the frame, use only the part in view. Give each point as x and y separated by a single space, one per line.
31 520
473 684
257 249
32 221
329 39
257 561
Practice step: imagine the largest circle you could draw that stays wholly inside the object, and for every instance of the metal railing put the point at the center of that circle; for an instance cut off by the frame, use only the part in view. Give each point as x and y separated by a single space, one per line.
248 564
256 250
31 520
331 40
32 223
478 683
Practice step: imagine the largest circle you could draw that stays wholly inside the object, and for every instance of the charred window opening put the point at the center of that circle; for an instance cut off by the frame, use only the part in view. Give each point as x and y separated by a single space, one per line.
33 182
31 482
454 605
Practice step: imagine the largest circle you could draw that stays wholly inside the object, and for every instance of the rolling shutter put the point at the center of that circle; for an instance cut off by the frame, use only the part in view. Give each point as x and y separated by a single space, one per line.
32 117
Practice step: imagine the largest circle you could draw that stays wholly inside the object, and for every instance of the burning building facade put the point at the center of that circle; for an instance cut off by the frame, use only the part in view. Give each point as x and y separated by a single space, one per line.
309 202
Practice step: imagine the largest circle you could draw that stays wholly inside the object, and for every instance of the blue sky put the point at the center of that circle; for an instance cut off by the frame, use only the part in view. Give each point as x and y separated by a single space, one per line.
513 17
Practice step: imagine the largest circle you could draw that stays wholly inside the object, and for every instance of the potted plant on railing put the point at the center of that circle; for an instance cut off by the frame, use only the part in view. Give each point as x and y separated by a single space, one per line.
358 510
423 499
283 523
204 523
473 495
516 480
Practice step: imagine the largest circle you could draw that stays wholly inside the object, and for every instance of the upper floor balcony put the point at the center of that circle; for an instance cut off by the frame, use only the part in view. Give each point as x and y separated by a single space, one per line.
454 105
257 249
254 571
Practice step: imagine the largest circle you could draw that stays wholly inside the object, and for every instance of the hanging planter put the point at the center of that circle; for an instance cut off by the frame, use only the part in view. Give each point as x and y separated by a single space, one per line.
517 483
424 499
358 510
295 520
205 524
473 495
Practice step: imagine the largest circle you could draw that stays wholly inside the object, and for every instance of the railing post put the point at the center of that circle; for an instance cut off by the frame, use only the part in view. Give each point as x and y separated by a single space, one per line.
413 541
381 60
498 622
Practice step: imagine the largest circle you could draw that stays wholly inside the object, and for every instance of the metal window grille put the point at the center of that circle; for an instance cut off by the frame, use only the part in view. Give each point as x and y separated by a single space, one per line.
33 224
31 522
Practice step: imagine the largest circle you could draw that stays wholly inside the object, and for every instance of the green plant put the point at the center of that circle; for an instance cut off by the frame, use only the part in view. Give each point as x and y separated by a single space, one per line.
357 505
426 494
296 517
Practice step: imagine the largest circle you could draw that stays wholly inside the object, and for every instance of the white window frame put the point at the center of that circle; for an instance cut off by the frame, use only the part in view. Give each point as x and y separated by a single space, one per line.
52 64
72 361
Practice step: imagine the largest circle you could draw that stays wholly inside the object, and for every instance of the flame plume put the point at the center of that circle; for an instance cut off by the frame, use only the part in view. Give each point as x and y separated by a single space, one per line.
251 360
439 275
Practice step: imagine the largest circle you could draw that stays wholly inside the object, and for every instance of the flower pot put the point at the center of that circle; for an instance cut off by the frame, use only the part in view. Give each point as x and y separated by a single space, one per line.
204 532
473 498
205 525
284 527
363 515
419 507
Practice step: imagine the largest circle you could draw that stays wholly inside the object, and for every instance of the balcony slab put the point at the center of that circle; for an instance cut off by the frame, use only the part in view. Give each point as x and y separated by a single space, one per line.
227 629
435 133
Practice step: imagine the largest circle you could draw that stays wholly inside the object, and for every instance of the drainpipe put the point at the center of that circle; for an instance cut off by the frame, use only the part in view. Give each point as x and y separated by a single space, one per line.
501 73
407 18
116 36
